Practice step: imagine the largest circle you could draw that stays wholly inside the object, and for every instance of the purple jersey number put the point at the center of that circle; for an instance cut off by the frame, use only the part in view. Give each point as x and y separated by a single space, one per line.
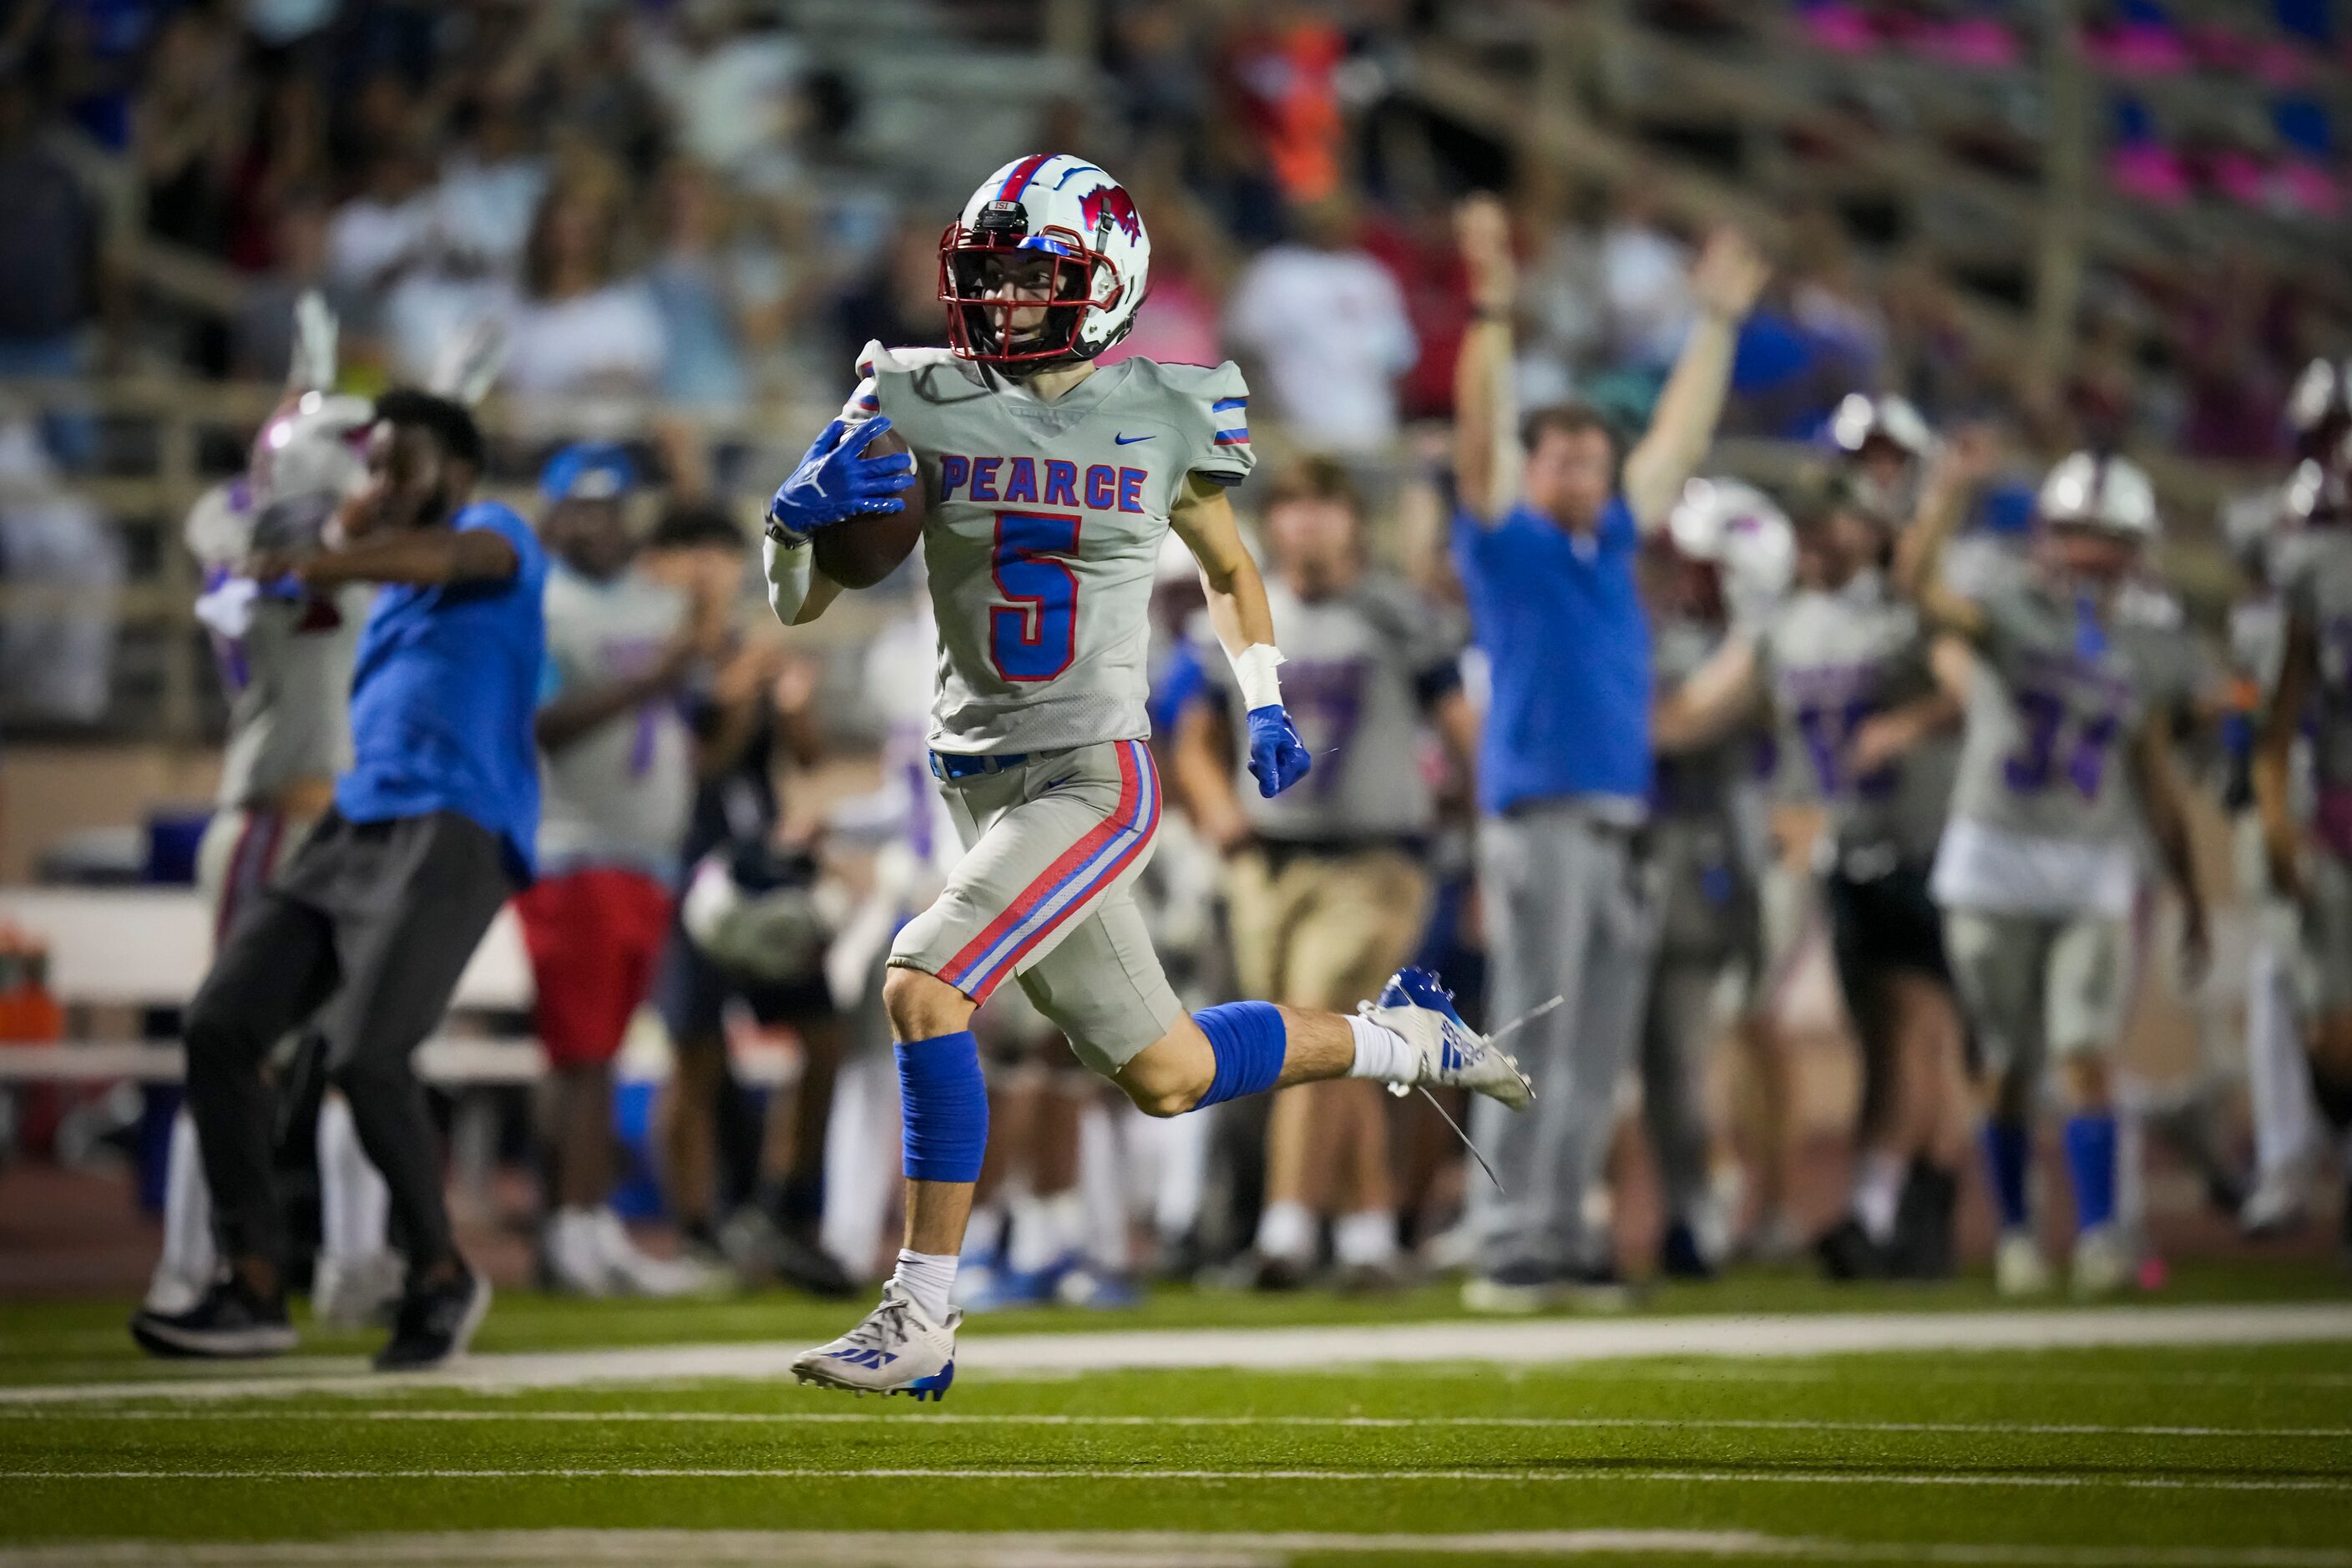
1035 637
1325 700
2030 768
1828 731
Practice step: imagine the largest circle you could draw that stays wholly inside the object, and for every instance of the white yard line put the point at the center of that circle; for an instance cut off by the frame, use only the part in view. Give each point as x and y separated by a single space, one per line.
1100 1548
1580 1477
1546 1341
273 1413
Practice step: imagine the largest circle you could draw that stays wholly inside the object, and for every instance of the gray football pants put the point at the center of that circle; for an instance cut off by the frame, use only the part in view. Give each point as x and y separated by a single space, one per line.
1569 913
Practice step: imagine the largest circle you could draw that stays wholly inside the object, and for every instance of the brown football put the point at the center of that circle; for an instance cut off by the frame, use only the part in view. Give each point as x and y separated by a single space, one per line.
862 551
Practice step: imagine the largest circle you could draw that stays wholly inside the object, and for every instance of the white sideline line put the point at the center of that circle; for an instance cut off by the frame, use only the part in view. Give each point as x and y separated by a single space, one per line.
1547 1342
1372 1423
1583 1477
1100 1548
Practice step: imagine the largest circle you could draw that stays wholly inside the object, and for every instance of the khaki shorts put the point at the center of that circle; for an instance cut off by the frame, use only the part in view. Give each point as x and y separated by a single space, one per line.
239 855
1045 891
1322 930
2041 987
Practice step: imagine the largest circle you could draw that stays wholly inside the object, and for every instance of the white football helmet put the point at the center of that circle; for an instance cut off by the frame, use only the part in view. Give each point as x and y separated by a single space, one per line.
306 461
2320 404
1057 204
2093 490
1744 535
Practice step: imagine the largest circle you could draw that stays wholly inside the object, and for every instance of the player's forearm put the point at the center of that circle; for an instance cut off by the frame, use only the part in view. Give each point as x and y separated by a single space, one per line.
2168 817
1683 427
424 558
1705 706
576 714
1919 563
1484 414
791 572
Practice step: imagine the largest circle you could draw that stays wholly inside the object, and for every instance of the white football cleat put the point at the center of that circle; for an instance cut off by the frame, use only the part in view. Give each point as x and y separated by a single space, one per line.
2018 1266
2104 1261
1414 1006
2280 1203
635 1272
352 1292
574 1255
897 1350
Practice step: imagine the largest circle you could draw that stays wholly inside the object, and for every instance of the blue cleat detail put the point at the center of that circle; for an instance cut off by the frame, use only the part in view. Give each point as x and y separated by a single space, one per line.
933 1388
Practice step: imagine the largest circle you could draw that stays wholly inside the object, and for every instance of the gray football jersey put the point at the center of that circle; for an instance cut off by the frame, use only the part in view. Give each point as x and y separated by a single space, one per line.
2319 593
1831 660
1045 523
1360 670
289 677
2059 692
620 794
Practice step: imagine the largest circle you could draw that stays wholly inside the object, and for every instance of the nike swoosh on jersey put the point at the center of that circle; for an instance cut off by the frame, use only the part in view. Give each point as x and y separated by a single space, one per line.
1127 440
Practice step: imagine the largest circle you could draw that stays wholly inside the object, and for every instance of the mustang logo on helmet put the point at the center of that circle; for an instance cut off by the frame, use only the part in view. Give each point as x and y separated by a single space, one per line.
1106 205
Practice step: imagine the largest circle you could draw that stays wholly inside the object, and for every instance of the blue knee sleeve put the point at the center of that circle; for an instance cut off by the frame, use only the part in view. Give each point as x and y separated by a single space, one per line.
2091 1162
1249 1039
944 1105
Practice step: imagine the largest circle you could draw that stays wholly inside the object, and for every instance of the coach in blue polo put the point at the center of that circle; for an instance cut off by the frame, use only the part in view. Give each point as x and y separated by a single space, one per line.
1550 520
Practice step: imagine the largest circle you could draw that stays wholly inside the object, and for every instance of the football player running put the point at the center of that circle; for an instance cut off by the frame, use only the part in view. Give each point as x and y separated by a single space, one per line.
2066 755
2311 865
1050 483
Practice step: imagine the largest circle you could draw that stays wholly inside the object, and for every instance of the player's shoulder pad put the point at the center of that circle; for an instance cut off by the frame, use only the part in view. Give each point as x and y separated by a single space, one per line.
1209 404
875 362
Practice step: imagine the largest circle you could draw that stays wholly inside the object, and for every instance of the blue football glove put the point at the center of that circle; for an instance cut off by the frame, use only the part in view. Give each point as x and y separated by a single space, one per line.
1279 757
836 481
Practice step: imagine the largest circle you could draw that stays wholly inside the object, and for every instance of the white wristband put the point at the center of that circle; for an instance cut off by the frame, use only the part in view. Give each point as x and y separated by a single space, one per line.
1253 672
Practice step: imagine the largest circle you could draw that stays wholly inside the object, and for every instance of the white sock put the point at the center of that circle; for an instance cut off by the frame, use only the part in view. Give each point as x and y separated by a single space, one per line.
187 1206
1044 1230
1365 1240
929 1279
1877 1190
354 1205
1381 1053
1284 1229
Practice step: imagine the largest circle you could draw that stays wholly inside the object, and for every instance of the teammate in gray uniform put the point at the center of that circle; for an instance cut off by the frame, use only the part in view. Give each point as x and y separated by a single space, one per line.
2066 755
285 663
1733 558
1050 485
1863 718
2312 866
616 771
1325 893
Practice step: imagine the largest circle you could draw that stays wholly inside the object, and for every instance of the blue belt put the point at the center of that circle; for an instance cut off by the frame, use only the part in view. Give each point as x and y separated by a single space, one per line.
960 765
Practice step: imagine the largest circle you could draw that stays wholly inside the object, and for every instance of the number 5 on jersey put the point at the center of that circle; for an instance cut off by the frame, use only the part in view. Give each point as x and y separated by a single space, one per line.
1035 637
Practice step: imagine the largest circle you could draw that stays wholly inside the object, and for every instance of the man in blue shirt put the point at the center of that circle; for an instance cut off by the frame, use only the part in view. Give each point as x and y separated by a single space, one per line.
370 925
1548 527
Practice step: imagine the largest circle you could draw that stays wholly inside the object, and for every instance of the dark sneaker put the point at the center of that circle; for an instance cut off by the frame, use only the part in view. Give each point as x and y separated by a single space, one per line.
1847 1252
435 1325
800 1261
1681 1256
1923 1225
229 1322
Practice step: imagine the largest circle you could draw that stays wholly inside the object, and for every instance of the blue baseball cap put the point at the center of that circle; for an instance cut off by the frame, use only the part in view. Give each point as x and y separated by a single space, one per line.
588 471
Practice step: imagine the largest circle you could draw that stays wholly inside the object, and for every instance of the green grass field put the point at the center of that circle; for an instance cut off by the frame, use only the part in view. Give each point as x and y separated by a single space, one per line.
2211 1454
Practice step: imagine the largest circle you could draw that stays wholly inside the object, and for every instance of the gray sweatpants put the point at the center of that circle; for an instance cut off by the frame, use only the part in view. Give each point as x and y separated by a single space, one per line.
366 932
1569 913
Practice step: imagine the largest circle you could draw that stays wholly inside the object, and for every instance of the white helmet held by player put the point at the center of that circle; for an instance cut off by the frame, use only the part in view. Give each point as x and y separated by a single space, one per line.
1744 535
1052 204
306 462
2094 489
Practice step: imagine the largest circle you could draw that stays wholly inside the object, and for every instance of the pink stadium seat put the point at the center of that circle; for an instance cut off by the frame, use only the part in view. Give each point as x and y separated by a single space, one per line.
1979 42
2138 49
1843 29
2152 172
